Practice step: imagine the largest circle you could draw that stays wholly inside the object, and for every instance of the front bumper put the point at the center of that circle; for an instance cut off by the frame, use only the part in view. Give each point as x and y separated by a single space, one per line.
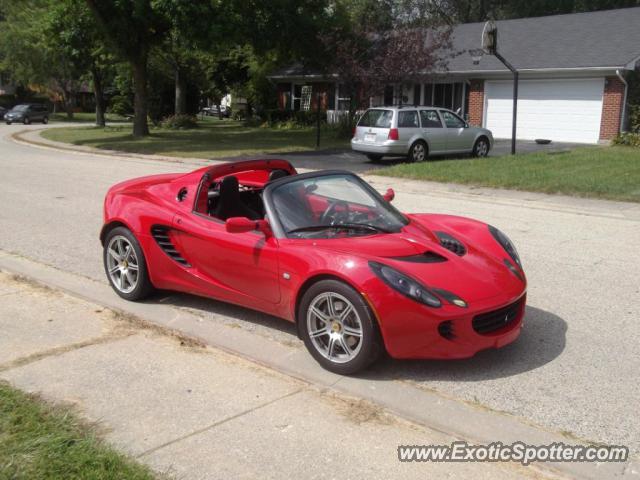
13 118
411 330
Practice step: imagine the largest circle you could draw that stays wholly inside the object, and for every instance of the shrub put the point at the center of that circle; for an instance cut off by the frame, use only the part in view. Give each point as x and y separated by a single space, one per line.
287 119
182 122
634 118
120 105
628 139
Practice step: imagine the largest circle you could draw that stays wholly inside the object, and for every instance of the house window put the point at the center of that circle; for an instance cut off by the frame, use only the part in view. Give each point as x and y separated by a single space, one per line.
417 94
297 97
428 95
388 95
344 99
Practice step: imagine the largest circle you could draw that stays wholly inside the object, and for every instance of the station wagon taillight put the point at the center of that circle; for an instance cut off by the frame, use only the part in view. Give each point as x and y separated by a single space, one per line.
393 134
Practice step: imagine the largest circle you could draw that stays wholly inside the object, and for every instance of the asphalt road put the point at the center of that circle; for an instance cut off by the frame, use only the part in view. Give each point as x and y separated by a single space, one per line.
575 368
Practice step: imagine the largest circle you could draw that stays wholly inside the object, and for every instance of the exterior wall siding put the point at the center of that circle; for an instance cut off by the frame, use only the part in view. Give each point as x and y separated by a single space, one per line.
476 102
612 103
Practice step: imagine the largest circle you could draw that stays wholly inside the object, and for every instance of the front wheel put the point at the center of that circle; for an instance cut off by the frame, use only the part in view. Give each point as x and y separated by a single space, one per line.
125 265
26 121
8 123
481 147
45 120
338 328
418 152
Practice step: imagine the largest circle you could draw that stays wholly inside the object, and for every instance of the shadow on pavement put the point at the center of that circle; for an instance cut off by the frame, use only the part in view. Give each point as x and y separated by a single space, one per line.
542 340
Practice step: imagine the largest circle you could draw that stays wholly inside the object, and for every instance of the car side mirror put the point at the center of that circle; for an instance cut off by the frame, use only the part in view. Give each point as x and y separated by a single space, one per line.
243 225
389 195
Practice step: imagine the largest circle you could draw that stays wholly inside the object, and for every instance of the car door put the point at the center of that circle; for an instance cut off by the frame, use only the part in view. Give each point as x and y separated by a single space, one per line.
408 126
240 267
433 131
459 136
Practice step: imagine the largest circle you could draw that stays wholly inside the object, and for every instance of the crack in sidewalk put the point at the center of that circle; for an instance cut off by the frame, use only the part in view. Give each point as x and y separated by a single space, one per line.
56 351
218 423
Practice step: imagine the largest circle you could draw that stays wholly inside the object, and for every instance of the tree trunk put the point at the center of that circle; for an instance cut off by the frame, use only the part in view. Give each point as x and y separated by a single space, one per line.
181 92
66 102
98 96
140 125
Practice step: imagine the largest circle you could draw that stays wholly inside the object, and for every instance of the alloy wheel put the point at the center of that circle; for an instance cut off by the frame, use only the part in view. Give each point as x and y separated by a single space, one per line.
122 264
482 148
334 327
418 152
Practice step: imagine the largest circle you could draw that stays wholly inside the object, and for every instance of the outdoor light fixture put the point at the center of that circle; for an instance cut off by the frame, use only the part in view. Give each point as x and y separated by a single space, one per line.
476 55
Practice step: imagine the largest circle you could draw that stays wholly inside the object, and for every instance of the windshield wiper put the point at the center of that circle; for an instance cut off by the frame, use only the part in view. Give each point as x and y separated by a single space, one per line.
362 226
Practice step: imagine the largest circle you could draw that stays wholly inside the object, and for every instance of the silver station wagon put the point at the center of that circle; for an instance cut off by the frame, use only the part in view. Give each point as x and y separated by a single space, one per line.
416 133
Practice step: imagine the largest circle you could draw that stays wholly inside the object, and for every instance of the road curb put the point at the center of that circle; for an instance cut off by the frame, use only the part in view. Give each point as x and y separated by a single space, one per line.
473 423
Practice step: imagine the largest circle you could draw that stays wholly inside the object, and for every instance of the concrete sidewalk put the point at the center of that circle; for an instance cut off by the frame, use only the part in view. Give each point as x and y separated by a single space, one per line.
195 412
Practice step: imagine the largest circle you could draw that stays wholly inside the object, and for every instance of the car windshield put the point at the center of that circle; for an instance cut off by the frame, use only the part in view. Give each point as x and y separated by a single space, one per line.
330 206
20 108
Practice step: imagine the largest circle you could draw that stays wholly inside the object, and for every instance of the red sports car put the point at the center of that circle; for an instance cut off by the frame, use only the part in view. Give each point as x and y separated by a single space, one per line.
324 250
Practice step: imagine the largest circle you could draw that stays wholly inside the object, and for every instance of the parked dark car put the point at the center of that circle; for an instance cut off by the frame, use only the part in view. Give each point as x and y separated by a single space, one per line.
212 111
27 113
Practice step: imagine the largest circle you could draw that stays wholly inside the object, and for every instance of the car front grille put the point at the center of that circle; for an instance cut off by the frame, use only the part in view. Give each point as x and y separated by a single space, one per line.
161 235
489 322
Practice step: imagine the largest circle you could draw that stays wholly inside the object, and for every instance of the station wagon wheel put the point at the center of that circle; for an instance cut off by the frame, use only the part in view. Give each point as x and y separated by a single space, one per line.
125 265
481 147
418 152
338 328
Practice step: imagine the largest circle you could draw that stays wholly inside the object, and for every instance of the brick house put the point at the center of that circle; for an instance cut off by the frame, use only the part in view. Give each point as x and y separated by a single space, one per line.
573 78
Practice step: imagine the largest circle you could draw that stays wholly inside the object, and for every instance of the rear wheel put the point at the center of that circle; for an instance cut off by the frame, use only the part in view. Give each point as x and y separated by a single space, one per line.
481 147
45 120
338 328
374 157
26 121
418 152
125 265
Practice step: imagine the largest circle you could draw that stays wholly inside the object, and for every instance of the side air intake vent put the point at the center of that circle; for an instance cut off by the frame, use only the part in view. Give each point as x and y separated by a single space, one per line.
450 243
426 257
161 236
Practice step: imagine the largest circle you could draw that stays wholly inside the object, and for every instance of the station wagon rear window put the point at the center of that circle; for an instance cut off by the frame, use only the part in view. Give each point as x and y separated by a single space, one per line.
376 118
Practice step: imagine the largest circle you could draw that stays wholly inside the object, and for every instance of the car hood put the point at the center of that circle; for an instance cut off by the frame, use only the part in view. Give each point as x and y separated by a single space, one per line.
417 252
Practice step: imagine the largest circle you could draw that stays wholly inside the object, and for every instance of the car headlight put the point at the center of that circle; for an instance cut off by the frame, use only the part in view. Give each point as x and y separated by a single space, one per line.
405 285
507 244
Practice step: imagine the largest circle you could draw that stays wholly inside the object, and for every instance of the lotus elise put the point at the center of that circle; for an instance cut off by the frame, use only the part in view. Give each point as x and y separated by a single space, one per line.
324 250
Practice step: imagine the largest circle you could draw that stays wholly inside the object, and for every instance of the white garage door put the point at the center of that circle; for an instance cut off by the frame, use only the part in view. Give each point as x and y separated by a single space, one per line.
559 110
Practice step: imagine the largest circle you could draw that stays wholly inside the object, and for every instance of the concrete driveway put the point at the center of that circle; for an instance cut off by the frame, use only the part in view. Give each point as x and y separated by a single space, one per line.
575 368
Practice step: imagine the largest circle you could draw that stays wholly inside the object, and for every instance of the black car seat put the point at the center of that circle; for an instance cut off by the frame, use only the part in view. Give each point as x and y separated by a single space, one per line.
229 202
277 173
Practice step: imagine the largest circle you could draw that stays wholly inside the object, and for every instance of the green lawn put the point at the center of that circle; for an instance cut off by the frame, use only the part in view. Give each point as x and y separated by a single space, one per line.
84 117
40 441
600 172
213 139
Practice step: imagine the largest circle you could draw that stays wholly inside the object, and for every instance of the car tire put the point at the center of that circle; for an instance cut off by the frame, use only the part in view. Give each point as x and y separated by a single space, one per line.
418 152
120 272
45 120
329 339
481 148
374 157
8 123
26 121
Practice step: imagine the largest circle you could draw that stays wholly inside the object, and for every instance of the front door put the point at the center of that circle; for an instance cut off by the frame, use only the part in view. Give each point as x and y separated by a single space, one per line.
459 137
240 267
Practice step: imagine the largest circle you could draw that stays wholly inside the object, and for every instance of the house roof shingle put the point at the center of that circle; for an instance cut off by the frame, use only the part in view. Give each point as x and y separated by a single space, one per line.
608 39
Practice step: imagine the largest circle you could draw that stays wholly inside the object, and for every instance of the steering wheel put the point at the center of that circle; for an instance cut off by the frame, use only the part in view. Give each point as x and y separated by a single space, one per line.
330 214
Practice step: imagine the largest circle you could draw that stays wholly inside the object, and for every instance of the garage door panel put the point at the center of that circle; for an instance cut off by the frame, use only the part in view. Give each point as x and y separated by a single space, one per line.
560 110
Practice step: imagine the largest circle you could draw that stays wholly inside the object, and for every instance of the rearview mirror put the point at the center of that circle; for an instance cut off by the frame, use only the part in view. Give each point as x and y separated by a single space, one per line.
389 195
243 225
